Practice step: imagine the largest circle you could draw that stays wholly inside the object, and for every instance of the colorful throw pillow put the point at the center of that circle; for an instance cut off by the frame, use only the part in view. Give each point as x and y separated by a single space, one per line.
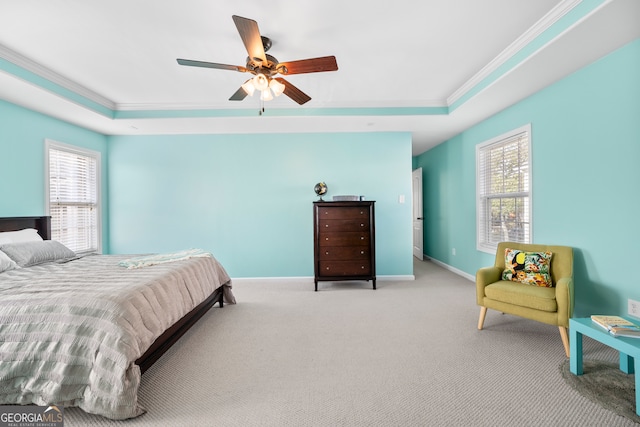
531 268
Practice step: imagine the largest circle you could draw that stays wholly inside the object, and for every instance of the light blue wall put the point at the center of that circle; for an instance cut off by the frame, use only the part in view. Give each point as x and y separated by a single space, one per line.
22 135
248 198
585 156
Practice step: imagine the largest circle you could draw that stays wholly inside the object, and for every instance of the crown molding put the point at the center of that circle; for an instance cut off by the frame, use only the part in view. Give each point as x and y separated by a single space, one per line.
57 79
559 11
37 69
170 106
555 14
431 103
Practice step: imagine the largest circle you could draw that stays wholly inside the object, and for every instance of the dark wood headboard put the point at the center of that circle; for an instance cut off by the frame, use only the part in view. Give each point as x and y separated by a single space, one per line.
40 223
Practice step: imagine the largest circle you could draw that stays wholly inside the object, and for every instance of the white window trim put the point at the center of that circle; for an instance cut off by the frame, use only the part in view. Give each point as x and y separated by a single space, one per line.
51 144
481 245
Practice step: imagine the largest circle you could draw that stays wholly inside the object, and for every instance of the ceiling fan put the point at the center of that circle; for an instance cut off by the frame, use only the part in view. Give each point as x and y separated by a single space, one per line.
264 67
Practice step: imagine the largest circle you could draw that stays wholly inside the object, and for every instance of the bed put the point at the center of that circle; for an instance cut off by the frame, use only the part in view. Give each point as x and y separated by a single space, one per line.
80 331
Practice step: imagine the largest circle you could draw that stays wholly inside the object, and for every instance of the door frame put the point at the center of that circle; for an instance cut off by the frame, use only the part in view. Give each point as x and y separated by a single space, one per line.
417 211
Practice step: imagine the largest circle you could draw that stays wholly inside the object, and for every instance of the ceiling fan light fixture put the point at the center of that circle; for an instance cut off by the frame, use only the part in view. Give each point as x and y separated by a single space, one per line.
276 87
248 87
265 95
264 66
260 82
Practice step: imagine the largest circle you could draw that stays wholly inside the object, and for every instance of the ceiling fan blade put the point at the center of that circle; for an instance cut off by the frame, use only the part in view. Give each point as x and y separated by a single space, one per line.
203 64
293 92
239 95
312 65
250 34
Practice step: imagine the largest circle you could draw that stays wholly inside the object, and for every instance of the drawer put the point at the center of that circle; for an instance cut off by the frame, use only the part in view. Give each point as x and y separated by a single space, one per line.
357 224
344 253
344 238
343 212
344 268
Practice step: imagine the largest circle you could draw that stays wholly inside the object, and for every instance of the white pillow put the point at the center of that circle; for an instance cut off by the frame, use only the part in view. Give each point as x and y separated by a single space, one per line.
26 235
26 254
6 263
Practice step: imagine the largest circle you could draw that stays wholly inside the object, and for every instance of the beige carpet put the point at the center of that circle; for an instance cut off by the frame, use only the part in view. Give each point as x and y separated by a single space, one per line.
406 354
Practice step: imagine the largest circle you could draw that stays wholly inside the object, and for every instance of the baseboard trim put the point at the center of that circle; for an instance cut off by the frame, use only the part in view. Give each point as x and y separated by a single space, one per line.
309 279
453 270
398 278
273 279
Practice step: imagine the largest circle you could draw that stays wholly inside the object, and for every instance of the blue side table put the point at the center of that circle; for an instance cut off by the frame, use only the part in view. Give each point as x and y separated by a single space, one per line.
629 349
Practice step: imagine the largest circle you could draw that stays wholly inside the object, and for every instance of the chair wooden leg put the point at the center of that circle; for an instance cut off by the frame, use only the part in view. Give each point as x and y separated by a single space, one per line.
565 339
483 313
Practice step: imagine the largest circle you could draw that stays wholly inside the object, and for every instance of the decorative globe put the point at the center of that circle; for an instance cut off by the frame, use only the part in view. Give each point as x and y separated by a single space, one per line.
320 189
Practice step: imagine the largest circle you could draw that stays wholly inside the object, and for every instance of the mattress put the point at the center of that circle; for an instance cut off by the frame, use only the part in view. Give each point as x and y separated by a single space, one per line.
70 332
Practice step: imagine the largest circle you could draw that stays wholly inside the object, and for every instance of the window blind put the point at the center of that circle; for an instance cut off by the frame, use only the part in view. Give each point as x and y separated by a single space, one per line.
73 199
504 197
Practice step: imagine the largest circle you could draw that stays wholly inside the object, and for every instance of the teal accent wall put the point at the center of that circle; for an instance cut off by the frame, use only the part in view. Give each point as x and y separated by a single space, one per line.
248 198
585 154
22 135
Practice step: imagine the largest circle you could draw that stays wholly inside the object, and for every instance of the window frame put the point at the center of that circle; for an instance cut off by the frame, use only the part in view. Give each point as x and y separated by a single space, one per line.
482 219
60 146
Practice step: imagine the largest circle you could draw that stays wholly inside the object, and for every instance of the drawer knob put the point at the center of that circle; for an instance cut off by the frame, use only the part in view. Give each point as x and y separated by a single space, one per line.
361 252
362 267
327 268
326 238
326 253
361 237
326 225
361 225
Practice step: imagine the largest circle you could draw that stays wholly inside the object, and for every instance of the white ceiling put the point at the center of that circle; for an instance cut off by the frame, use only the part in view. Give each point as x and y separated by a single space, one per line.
396 60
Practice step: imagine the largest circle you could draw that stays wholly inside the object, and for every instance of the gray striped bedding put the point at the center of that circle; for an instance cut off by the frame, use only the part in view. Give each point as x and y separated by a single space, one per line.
71 332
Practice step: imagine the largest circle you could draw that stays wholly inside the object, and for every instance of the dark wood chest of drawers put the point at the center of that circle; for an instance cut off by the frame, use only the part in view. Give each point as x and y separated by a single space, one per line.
344 241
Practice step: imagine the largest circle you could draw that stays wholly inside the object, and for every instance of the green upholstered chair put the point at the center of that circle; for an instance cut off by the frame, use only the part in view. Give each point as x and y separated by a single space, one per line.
553 306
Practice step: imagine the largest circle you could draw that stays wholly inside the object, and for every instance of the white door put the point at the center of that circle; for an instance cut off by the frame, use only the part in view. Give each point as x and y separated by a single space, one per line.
418 236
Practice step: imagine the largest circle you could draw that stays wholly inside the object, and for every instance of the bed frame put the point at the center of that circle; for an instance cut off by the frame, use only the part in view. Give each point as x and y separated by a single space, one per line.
164 341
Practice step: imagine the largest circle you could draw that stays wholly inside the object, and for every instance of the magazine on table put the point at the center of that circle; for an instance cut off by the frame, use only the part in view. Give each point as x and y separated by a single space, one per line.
617 326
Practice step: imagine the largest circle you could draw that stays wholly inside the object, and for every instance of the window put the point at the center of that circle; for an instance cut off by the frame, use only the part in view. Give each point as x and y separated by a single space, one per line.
503 179
73 196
